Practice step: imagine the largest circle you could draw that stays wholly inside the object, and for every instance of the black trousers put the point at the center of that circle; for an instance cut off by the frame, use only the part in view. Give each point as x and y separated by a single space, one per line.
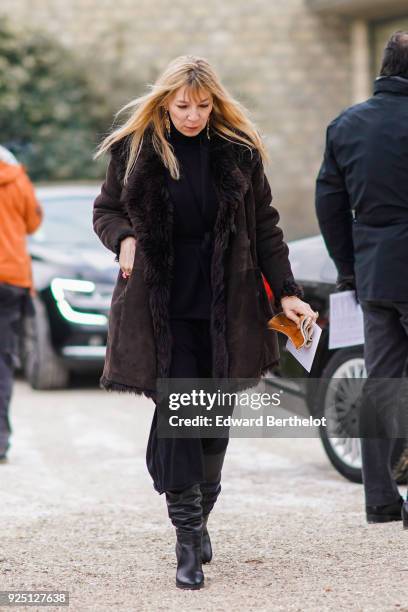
6 388
14 305
386 357
176 463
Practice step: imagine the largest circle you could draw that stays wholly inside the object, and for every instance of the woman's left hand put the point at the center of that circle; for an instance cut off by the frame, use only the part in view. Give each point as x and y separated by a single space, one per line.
293 307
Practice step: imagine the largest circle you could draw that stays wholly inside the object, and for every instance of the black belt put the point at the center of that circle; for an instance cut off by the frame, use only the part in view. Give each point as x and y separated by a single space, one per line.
205 241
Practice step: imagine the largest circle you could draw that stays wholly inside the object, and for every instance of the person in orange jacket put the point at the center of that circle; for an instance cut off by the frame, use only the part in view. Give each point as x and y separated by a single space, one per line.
20 214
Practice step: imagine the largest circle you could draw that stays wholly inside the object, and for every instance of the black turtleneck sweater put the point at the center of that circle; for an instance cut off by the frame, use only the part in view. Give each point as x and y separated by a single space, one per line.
195 211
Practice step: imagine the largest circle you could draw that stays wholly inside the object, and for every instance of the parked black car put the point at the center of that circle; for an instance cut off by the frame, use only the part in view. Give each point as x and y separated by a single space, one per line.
74 276
323 389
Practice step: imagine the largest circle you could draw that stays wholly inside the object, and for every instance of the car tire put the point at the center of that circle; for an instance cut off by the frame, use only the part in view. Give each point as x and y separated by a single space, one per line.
345 453
42 367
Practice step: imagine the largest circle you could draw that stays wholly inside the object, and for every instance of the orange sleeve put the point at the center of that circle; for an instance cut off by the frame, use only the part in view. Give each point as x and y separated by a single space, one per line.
33 212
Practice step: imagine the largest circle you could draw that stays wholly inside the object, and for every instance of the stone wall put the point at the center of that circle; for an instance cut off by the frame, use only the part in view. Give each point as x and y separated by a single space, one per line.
289 67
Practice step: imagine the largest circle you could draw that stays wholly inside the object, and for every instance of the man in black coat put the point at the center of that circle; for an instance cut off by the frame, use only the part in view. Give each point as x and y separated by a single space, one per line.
362 208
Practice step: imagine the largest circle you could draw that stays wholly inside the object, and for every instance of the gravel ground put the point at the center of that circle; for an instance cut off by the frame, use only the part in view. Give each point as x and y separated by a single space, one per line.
79 513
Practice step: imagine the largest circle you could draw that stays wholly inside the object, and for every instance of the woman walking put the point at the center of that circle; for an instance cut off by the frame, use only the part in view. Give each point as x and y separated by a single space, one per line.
186 207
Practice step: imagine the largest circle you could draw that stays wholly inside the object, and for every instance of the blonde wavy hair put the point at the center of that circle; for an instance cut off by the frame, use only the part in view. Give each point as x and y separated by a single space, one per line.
228 117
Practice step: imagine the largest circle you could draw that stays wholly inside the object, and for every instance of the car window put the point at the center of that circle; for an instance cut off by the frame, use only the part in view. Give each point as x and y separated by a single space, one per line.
67 220
310 260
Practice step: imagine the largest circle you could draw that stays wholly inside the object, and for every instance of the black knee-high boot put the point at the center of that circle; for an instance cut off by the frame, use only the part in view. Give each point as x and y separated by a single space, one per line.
210 491
185 512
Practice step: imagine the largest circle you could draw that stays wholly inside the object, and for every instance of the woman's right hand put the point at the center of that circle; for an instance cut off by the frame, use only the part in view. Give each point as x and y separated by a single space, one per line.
127 255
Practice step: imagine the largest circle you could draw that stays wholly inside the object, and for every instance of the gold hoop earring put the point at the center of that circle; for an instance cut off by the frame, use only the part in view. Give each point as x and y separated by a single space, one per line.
167 122
208 128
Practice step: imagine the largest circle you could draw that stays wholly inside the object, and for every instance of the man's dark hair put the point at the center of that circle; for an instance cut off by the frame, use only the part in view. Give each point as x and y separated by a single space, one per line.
395 58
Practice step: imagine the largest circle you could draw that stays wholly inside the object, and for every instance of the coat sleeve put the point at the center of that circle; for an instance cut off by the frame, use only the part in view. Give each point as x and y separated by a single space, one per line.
333 210
33 212
272 250
110 220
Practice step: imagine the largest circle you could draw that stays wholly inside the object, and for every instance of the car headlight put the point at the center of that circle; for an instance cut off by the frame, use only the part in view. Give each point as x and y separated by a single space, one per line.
66 291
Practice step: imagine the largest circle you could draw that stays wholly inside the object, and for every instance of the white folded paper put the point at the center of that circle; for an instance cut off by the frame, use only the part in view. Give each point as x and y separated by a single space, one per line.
305 356
346 320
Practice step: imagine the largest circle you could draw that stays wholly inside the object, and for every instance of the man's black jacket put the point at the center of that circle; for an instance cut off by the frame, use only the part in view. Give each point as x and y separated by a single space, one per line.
365 175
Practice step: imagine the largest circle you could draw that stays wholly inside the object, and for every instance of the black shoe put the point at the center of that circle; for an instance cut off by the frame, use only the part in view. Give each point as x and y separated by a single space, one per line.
386 513
206 548
404 514
185 511
189 573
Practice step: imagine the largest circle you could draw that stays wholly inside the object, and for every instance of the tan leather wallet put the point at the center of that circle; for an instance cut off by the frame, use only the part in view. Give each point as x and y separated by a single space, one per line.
300 337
